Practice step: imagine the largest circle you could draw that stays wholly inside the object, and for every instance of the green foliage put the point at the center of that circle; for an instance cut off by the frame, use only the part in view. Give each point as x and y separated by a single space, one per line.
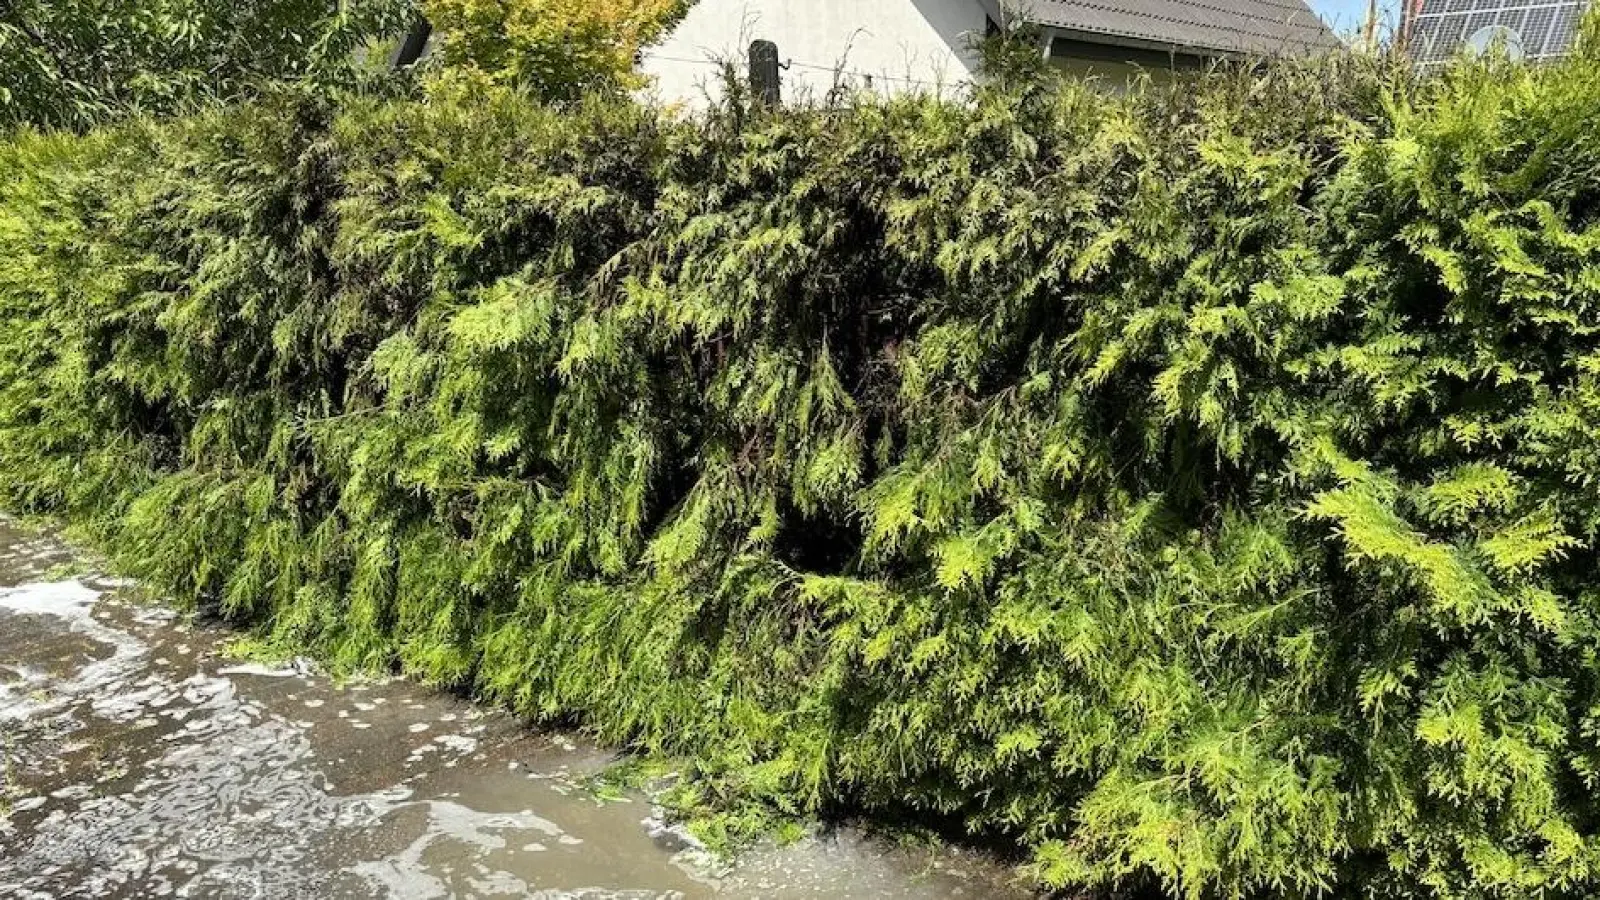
562 49
73 63
1196 486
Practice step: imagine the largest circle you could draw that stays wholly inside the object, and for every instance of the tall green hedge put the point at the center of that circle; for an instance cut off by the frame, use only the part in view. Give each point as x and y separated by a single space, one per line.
1197 486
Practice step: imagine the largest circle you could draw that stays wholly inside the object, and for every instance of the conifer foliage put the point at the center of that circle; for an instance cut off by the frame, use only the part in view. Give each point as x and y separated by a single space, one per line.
1197 486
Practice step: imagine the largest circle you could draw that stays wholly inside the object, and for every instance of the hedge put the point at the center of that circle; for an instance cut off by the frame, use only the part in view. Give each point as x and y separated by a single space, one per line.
1196 487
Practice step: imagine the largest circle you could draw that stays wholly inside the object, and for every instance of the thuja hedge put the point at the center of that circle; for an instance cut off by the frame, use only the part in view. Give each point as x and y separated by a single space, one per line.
1196 487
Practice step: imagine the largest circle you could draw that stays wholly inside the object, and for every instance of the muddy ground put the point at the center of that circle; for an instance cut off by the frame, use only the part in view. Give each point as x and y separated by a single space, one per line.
138 760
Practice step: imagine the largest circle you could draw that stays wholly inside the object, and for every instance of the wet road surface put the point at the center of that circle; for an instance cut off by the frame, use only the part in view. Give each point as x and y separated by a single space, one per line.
137 760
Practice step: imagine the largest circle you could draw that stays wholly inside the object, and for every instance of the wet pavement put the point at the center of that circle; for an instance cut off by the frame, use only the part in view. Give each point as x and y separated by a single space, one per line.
138 760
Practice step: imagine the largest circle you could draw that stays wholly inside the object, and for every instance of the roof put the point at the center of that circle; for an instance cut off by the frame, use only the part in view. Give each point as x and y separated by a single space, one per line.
1243 27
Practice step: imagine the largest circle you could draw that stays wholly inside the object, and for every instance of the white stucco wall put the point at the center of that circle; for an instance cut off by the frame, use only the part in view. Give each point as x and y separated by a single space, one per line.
891 45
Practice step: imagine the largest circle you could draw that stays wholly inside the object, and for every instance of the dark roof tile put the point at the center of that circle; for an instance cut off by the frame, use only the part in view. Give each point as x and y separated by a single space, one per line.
1255 27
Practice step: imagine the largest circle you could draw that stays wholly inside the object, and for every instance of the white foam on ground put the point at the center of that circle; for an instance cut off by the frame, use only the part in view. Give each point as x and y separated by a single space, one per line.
70 600
407 875
102 680
260 670
459 744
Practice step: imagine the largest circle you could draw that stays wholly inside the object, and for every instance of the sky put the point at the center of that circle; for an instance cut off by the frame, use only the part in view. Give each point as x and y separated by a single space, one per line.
1347 16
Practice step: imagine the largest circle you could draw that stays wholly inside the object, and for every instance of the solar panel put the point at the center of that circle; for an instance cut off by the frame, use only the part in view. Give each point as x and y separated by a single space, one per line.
1529 29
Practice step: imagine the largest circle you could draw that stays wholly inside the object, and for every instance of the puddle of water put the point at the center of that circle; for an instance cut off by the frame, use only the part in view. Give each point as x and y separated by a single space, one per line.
135 761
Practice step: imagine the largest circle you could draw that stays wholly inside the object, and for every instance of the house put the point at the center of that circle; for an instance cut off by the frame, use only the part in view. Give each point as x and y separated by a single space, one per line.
896 45
1436 30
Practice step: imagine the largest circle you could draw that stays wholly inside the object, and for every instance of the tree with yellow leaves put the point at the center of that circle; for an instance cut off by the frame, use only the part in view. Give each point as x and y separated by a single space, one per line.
561 48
